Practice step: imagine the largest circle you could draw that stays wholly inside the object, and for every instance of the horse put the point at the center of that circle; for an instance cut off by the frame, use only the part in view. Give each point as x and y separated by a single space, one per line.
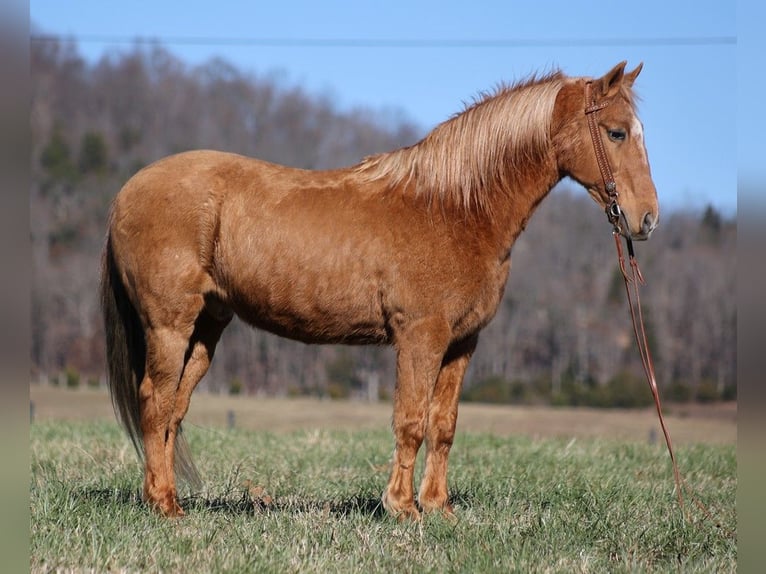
410 248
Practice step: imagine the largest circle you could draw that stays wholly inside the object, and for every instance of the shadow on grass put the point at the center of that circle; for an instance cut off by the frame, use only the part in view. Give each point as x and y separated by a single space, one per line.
246 504
243 503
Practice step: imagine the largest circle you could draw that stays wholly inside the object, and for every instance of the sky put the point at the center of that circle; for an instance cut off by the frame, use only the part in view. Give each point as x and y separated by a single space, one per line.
425 60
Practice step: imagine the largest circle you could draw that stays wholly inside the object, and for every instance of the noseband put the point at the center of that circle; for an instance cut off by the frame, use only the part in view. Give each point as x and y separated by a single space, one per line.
613 211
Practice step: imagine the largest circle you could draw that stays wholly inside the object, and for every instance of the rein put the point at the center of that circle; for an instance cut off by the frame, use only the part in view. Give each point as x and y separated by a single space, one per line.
633 279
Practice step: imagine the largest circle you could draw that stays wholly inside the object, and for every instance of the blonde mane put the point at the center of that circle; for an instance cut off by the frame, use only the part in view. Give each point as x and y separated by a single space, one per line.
477 151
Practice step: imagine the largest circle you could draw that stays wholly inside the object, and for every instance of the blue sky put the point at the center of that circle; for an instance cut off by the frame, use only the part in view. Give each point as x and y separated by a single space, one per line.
688 86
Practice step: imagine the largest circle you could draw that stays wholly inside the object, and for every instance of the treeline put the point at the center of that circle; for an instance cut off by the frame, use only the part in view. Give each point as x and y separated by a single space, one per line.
562 334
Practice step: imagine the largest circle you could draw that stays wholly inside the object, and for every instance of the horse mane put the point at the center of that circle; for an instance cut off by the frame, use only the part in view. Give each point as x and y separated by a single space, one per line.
465 159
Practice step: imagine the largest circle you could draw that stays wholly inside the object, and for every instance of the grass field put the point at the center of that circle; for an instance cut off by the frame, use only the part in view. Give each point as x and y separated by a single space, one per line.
305 499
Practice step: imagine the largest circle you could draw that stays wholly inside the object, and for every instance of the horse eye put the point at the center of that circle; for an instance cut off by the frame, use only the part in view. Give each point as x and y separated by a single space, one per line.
616 135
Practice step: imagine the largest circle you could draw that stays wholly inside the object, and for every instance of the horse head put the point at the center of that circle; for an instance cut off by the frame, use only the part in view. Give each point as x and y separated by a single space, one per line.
607 157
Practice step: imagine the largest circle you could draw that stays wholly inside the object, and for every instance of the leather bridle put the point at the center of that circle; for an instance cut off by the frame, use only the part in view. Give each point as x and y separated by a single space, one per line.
613 211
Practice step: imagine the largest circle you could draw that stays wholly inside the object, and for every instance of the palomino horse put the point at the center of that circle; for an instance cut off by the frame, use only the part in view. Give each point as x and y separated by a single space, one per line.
409 248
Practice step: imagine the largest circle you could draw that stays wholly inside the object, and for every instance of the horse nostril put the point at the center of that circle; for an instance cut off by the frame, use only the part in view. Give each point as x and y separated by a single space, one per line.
648 224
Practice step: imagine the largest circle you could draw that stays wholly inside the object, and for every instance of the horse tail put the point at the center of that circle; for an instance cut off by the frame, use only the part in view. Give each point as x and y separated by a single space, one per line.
125 348
126 362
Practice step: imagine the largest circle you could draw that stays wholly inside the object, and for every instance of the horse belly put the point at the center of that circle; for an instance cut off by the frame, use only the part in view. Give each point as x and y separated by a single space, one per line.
304 290
312 311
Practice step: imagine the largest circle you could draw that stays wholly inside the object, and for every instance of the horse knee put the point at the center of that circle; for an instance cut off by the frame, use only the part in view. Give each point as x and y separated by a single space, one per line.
441 433
410 433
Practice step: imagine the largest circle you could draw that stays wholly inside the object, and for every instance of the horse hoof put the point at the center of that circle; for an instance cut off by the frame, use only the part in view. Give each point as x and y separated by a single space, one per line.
175 511
408 513
402 512
445 510
168 509
449 515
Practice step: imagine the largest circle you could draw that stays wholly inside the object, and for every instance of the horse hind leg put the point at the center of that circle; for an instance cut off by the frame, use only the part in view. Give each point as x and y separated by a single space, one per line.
207 331
157 394
173 362
440 430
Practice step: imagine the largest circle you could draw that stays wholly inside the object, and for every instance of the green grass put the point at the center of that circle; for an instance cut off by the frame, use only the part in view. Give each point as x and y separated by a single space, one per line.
523 505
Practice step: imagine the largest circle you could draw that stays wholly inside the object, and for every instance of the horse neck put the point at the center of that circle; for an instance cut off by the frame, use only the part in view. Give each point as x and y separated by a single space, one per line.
496 160
512 206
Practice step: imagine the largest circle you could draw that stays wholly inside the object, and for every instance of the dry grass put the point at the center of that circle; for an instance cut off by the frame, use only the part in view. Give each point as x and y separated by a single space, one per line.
716 424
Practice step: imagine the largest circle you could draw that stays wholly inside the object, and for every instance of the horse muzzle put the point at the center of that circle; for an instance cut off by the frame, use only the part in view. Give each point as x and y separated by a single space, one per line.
642 232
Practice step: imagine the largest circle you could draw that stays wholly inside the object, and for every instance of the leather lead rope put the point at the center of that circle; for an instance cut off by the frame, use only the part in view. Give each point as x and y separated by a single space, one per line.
633 279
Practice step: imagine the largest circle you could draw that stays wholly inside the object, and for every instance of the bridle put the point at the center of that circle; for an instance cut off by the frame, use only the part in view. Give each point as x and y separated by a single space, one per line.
613 211
616 217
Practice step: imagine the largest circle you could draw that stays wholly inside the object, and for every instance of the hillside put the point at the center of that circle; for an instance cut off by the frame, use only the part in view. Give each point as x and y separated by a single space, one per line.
562 333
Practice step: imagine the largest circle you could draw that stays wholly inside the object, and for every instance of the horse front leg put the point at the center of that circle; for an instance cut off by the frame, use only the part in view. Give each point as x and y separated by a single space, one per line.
418 359
440 430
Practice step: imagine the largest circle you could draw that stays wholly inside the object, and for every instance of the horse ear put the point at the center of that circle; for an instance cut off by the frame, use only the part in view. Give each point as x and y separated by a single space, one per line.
610 82
630 77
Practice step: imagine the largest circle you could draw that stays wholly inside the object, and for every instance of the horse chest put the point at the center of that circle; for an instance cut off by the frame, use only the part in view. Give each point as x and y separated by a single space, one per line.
474 306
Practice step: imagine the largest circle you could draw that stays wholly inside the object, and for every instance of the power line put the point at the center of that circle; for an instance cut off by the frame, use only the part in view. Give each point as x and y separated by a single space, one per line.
409 43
